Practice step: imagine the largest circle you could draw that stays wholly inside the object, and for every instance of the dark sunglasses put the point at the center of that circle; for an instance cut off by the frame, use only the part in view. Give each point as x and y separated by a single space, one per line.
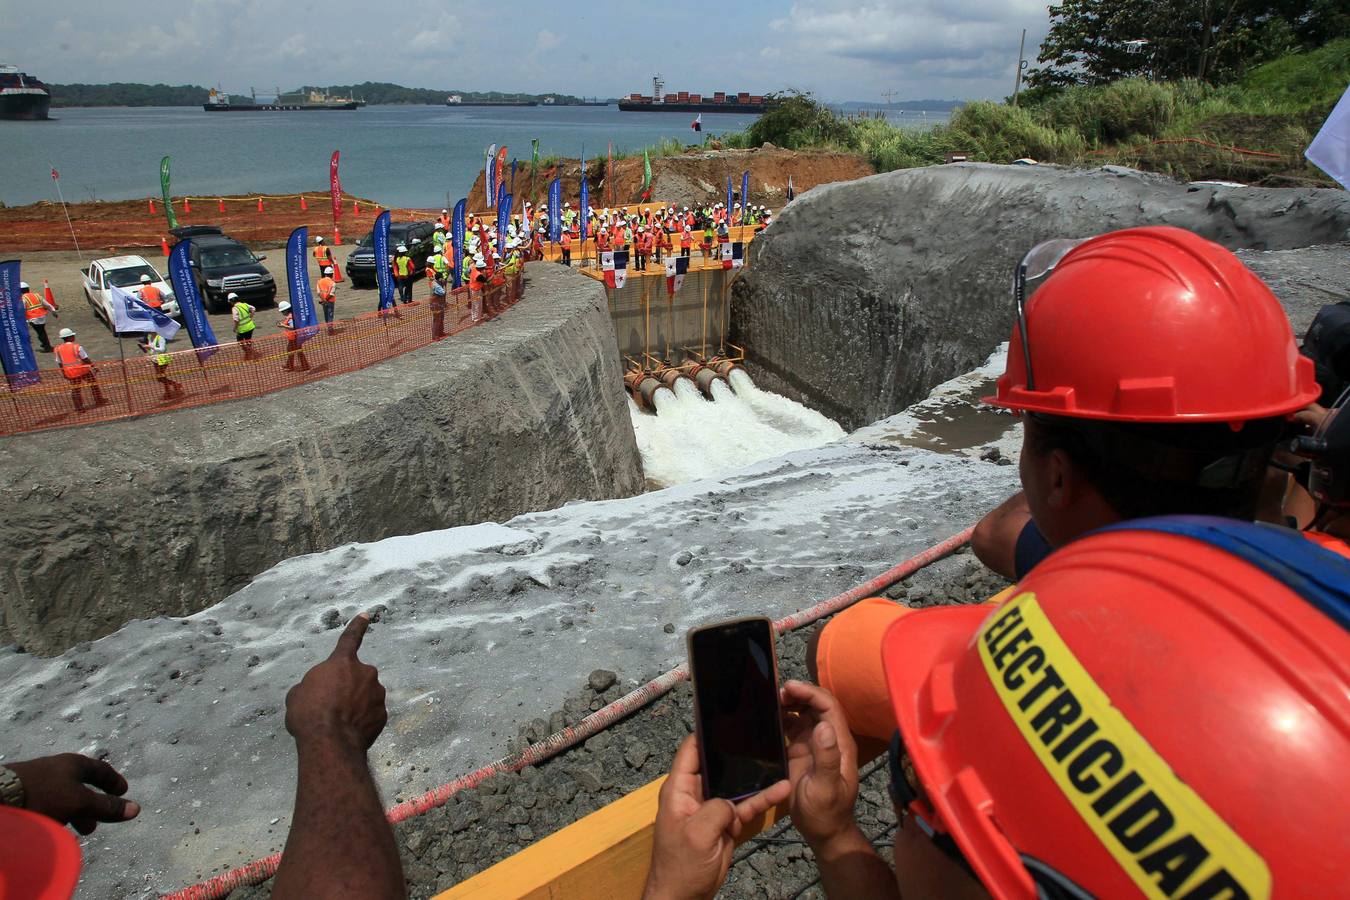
909 798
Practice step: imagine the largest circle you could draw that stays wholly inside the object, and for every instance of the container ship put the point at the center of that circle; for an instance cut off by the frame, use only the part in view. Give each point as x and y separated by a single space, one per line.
22 96
219 101
457 100
683 101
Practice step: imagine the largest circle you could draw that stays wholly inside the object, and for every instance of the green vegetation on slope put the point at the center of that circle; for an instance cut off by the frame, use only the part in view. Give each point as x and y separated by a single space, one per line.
128 94
1184 128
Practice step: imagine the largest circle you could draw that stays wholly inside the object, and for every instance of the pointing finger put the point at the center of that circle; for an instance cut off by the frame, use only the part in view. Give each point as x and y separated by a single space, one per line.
351 638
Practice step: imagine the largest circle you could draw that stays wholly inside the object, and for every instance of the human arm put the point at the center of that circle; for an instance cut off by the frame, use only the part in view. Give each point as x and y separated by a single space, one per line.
340 842
823 768
995 539
55 786
694 839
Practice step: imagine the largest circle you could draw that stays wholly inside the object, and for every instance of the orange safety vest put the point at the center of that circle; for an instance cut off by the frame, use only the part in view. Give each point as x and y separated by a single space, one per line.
323 256
686 239
151 296
566 240
32 306
72 365
602 240
326 287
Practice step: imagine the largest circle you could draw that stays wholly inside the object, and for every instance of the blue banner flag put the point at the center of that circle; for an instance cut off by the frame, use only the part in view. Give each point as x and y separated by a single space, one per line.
728 199
16 348
503 218
500 195
384 278
457 242
303 316
132 314
745 195
490 174
585 207
555 210
190 301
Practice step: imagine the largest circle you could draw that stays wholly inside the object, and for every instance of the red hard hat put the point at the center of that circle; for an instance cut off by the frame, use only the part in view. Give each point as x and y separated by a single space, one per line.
1156 325
1154 714
39 858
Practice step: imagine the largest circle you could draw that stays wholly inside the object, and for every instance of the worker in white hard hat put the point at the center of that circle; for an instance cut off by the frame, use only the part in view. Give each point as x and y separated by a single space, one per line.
295 356
244 325
150 295
323 254
35 309
153 344
404 273
438 239
75 365
326 288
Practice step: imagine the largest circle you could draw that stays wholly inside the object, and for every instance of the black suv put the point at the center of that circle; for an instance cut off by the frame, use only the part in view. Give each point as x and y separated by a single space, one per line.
223 266
416 236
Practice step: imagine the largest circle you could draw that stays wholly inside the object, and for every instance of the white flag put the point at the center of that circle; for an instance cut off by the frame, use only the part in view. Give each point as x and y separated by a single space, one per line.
1330 150
130 313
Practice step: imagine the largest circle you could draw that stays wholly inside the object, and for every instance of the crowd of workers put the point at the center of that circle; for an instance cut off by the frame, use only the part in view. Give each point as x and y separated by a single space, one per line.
1159 706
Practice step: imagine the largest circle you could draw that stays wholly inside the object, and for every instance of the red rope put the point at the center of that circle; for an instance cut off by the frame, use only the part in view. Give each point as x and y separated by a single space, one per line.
1264 154
262 869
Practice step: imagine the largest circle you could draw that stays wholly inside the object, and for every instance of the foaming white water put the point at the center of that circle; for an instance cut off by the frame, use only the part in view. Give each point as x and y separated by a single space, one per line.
691 437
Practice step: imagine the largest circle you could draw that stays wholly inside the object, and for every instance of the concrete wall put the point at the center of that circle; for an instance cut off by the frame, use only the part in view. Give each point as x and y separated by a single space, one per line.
863 295
171 513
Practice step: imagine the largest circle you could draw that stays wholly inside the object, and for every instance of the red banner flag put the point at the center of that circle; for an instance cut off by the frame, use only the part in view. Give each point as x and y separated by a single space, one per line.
501 168
335 187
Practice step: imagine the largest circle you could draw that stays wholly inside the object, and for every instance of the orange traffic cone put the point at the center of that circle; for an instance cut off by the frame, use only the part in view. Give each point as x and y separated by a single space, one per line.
47 294
337 236
164 245
337 270
152 205
356 208
187 207
220 204
260 206
303 204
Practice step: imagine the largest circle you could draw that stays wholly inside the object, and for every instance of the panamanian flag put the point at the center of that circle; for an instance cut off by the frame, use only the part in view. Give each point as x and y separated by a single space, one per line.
614 263
733 255
676 268
697 124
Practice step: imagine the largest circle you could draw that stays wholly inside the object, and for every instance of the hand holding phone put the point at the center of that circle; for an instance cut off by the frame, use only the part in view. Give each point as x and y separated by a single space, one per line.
736 708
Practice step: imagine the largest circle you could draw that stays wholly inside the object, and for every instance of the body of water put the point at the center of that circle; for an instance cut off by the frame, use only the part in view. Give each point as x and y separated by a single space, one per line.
418 156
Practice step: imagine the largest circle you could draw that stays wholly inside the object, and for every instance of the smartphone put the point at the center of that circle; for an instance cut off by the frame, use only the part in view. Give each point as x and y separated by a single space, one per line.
736 712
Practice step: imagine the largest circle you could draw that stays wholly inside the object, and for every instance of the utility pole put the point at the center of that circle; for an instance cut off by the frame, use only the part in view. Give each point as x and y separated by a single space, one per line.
889 95
1021 64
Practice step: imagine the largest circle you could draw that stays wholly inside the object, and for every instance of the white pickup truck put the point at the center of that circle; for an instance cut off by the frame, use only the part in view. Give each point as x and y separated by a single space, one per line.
102 275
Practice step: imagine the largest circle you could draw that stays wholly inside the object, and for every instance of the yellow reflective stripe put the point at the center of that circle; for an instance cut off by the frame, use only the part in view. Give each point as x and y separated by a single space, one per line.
1160 831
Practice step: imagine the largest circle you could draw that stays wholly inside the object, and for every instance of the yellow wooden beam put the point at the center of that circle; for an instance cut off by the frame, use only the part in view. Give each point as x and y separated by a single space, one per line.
604 856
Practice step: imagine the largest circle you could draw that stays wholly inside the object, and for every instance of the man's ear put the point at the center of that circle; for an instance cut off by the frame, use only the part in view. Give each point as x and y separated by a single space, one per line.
1061 489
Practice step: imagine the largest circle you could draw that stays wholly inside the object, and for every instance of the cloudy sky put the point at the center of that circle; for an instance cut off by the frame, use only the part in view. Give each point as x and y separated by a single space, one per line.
921 49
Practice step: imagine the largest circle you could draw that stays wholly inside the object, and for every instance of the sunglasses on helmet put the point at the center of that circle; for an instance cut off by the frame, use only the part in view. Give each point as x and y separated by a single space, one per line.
908 795
1040 261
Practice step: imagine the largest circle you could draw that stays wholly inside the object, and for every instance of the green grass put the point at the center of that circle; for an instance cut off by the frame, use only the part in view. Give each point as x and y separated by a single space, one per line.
1276 108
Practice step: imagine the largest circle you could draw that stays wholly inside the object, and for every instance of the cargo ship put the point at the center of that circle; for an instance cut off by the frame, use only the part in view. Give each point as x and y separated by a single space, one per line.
219 101
683 101
457 100
22 96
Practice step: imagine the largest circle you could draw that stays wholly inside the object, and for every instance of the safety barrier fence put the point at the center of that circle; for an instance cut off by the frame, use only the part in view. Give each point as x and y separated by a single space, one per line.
595 857
118 389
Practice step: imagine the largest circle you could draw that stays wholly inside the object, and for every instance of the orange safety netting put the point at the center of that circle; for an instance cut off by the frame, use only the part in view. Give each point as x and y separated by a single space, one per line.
118 389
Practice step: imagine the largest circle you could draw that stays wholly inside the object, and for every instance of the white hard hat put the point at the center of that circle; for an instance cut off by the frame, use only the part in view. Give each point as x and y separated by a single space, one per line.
23 285
67 333
402 248
328 270
496 255
444 211
145 279
478 259
440 226
283 306
231 296
318 240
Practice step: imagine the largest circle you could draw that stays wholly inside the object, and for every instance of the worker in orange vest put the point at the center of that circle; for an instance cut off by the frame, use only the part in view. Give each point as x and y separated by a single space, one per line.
75 365
323 255
150 295
566 243
294 355
35 310
686 241
326 288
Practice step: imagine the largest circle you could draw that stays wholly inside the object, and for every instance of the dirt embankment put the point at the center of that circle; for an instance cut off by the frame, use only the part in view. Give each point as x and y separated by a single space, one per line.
696 176
129 224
